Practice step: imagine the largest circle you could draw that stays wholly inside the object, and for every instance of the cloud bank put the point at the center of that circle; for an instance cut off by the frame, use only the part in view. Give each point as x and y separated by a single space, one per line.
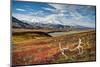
64 14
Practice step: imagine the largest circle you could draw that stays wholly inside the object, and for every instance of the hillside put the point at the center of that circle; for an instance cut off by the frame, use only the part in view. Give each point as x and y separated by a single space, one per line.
46 50
45 26
19 24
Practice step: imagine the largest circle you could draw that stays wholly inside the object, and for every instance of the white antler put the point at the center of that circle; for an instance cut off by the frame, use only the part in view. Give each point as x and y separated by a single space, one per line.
79 47
62 51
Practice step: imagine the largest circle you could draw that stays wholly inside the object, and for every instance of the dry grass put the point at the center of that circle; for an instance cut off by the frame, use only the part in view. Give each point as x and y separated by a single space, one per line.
46 50
27 36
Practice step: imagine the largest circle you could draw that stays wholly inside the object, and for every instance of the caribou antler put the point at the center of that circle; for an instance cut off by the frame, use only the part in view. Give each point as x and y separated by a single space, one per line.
79 47
62 51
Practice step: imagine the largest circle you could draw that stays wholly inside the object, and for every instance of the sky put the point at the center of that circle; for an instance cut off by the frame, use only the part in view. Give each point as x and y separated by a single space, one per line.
65 14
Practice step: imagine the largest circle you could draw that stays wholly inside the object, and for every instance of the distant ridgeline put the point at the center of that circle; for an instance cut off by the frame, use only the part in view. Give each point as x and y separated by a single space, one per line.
35 25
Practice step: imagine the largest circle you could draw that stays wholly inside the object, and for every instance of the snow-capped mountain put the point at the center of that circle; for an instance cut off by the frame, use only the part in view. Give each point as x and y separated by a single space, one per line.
19 24
37 25
42 25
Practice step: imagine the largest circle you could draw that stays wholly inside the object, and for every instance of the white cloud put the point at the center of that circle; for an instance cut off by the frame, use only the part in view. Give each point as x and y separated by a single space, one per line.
59 17
58 6
28 18
61 9
54 19
50 9
19 9
76 17
22 16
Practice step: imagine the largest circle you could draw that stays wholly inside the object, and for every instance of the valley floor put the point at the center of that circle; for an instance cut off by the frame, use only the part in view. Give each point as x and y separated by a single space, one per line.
36 48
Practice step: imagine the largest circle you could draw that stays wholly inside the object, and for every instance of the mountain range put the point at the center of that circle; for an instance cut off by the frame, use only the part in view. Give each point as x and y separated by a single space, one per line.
19 24
38 25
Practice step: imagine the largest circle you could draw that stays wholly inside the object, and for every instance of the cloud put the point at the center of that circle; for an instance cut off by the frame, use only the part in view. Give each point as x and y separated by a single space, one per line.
19 9
50 9
58 6
54 19
38 13
28 18
60 14
69 15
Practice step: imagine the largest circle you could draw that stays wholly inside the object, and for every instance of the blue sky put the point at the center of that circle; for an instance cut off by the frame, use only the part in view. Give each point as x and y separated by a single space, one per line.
64 14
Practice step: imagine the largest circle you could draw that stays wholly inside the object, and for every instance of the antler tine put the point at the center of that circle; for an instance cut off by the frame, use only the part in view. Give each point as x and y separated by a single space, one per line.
62 51
80 47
